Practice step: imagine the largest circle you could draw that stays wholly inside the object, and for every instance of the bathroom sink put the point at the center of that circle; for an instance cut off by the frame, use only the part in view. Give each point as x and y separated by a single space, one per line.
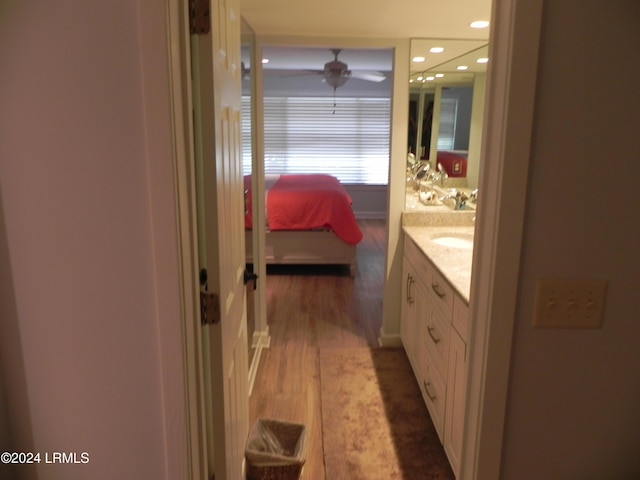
453 240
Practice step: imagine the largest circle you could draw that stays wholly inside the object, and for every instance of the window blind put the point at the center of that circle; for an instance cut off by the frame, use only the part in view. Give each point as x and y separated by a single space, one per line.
245 126
349 140
447 123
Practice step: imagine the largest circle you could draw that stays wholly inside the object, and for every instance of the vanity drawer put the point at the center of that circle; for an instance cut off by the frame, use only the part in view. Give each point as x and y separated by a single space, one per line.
436 330
433 389
460 319
441 293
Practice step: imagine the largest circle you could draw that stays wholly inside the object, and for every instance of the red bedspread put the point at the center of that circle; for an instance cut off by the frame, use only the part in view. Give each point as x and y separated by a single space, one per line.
307 202
454 164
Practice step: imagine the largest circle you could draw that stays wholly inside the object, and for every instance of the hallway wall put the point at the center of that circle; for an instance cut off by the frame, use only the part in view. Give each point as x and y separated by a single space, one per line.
572 410
79 343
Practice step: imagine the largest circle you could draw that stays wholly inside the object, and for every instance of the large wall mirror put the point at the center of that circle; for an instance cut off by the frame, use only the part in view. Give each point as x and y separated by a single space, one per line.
248 153
446 103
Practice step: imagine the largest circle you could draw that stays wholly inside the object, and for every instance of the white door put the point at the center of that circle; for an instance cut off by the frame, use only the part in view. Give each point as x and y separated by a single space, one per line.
216 97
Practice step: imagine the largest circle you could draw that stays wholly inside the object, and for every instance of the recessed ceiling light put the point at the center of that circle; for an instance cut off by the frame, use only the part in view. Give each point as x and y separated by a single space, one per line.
430 79
479 24
418 59
462 67
482 60
265 60
436 49
439 75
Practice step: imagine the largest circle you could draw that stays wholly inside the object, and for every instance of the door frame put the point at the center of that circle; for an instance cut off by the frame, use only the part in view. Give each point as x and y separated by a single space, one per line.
511 95
507 134
191 462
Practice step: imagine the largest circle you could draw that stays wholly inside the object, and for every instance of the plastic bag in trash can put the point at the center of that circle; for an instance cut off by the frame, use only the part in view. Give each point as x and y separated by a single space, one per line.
265 441
275 443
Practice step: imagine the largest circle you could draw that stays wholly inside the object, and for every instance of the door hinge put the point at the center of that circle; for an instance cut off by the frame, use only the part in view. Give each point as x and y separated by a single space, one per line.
199 17
209 308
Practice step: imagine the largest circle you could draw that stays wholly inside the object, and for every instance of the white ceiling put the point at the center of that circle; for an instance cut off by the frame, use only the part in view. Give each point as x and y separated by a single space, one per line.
419 20
367 18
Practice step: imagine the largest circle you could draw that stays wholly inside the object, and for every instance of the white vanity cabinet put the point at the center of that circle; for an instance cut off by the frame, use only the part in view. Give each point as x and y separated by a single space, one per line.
433 330
456 384
414 300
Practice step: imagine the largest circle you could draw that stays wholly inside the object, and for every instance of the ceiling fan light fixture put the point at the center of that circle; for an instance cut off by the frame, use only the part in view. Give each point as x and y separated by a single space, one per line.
336 81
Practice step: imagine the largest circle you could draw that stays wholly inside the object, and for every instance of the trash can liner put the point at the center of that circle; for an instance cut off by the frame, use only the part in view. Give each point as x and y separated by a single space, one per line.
272 443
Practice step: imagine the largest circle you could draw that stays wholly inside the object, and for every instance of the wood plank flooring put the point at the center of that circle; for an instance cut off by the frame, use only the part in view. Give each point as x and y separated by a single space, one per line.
311 308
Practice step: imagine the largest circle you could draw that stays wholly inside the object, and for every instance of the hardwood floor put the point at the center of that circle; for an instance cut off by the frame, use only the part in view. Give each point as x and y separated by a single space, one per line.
311 308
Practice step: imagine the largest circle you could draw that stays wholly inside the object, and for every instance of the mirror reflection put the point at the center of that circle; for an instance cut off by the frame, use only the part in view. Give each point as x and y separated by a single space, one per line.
446 102
247 47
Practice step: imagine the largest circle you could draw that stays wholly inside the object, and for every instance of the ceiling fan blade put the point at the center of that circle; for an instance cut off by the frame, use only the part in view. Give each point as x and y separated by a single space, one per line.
369 76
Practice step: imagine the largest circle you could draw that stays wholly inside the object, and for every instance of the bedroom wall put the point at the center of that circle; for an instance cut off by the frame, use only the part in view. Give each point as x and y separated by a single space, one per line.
572 410
79 341
369 201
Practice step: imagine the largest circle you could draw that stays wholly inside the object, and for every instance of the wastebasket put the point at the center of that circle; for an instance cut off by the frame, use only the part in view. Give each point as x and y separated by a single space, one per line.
275 450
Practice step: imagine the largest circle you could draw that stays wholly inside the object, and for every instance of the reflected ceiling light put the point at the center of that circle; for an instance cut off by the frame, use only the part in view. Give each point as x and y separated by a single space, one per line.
479 24
462 67
439 75
419 78
418 59
265 60
436 49
482 60
430 79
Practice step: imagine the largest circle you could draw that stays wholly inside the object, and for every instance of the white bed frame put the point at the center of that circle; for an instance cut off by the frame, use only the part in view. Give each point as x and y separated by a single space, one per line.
308 247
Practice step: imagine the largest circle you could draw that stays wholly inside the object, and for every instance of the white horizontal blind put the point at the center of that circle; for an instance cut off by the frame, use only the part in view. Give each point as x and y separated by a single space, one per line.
447 123
245 125
310 135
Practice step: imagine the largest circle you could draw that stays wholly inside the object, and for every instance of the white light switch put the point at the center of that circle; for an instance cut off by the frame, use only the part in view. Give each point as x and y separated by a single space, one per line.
569 303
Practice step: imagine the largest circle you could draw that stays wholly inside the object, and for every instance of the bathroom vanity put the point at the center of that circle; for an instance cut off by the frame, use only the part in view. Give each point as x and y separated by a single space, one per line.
438 249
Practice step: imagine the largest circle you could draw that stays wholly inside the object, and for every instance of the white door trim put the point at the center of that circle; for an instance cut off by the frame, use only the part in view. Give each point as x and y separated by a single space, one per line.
509 110
193 466
515 38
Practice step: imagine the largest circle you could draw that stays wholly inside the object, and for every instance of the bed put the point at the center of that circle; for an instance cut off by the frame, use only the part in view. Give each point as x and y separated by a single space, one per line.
453 163
309 221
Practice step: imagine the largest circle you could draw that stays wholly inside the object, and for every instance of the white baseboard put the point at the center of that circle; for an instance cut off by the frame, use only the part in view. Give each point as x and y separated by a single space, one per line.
372 215
389 340
259 341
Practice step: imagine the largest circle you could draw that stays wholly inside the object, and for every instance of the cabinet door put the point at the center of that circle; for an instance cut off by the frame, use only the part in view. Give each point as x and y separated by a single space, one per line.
434 391
454 408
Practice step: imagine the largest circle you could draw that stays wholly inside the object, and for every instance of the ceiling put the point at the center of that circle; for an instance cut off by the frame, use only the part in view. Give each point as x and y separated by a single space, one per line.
337 20
367 18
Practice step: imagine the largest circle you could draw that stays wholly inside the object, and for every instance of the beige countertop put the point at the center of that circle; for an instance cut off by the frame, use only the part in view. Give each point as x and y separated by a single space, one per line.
453 263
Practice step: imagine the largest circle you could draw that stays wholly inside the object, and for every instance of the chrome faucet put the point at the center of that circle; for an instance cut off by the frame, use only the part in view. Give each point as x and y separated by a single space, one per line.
443 174
459 198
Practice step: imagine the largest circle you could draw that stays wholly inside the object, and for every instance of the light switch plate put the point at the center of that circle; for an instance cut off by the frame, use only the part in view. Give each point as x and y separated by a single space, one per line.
569 303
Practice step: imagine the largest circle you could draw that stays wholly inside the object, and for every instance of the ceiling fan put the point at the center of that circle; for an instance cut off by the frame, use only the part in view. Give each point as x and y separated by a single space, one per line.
336 73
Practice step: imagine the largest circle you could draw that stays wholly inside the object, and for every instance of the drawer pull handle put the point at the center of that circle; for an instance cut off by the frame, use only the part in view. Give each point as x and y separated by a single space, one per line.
410 281
430 330
436 288
431 396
